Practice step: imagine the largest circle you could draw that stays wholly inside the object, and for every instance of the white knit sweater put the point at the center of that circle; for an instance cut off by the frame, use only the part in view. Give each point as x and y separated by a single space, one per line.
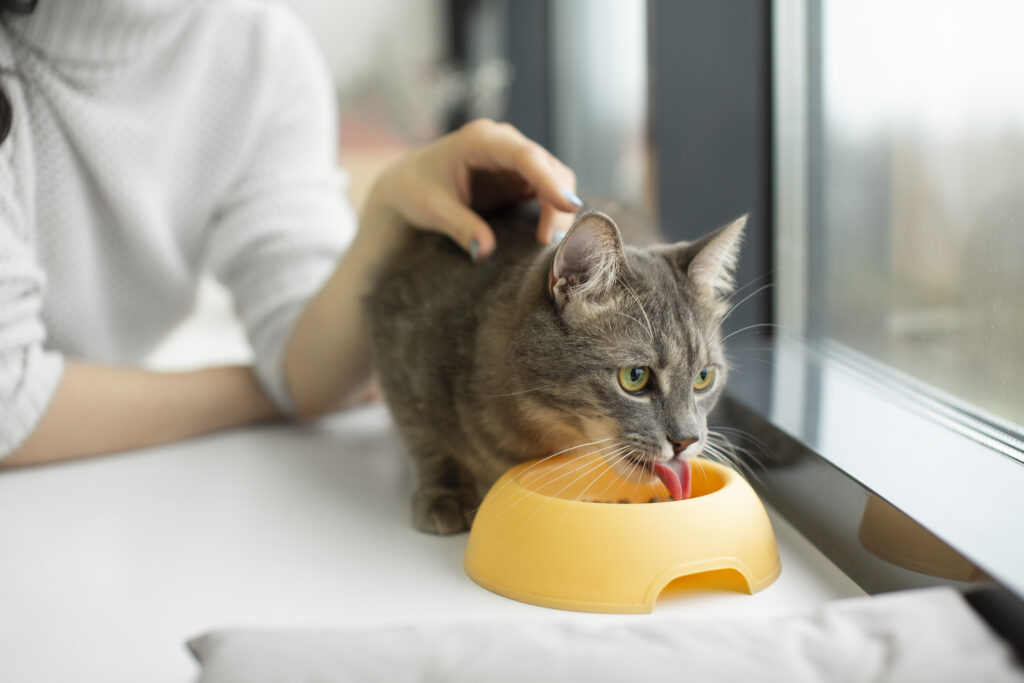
154 140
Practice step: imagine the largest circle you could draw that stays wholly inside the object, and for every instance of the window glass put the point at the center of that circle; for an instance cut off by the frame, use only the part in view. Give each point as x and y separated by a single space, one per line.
600 96
921 191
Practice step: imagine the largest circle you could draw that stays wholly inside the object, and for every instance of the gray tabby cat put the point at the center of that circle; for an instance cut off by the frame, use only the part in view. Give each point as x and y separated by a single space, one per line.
540 349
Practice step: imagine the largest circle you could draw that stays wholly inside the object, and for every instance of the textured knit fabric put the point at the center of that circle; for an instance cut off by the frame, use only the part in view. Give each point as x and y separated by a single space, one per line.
152 141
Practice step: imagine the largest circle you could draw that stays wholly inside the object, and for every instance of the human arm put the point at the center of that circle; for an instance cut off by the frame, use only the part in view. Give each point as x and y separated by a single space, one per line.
327 356
101 409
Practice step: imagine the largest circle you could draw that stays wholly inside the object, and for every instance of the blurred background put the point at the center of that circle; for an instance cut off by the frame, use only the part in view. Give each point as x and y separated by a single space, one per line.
922 160
907 125
407 71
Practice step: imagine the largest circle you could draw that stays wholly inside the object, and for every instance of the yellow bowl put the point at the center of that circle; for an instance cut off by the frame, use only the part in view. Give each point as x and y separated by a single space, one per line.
547 535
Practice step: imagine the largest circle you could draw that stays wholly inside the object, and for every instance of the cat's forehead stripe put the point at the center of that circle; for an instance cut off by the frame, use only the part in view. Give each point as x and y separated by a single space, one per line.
683 341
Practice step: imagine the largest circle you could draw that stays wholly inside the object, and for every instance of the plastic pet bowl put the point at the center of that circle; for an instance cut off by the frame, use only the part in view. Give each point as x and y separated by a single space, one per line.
550 533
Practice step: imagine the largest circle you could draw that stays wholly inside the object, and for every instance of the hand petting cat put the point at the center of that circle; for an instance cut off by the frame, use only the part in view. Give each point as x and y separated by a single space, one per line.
482 166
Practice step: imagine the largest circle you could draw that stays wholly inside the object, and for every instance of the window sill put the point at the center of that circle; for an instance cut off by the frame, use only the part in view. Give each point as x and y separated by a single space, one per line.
828 440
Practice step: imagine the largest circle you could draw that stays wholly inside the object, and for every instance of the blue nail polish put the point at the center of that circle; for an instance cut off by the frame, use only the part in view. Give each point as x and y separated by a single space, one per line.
474 249
571 196
558 236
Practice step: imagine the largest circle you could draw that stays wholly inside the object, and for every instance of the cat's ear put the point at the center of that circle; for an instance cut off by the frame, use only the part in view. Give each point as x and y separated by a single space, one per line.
587 264
709 263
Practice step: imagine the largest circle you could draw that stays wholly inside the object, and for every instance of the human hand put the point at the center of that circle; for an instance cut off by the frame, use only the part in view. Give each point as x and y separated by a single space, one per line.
481 166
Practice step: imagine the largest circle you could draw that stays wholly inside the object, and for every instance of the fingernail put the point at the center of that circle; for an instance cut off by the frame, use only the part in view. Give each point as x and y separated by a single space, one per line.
571 196
558 236
474 249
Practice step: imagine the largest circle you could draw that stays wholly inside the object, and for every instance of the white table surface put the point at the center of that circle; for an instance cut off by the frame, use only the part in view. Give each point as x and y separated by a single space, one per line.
108 565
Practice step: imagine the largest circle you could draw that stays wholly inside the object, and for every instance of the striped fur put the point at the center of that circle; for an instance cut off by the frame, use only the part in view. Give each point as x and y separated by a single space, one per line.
487 365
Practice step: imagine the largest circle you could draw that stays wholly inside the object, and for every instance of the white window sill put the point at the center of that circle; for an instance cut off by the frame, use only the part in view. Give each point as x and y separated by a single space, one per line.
836 431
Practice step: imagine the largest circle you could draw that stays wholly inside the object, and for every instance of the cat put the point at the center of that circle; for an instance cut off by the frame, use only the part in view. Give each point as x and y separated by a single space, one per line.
539 349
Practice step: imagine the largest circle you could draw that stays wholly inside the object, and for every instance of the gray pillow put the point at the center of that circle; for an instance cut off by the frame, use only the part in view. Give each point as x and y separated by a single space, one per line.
930 635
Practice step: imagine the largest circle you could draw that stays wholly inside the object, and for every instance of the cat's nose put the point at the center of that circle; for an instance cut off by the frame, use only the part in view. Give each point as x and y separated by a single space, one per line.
680 445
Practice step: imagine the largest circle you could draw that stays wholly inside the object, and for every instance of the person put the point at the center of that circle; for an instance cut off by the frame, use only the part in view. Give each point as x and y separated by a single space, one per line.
149 142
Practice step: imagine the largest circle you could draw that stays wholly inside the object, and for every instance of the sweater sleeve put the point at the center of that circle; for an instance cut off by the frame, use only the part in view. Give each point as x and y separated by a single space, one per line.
29 374
287 220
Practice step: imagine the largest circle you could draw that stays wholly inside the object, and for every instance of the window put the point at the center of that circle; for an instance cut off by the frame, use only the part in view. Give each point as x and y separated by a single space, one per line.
899 197
921 184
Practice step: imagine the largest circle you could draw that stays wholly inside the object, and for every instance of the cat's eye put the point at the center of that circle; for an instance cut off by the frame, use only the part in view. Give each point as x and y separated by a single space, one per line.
704 379
634 379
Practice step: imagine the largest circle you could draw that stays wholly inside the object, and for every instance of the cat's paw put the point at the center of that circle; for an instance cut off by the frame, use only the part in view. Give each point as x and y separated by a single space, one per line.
444 511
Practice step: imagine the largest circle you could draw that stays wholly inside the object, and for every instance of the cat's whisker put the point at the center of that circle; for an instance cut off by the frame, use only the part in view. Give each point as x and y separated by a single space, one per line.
732 309
636 482
715 455
753 281
752 359
725 453
745 299
562 472
541 461
611 480
634 464
580 445
745 460
605 460
611 461
572 448
696 461
558 494
763 449
559 472
582 493
519 393
650 473
750 327
712 452
619 456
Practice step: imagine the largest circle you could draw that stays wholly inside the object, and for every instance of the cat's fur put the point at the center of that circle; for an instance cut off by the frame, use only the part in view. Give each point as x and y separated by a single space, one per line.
487 365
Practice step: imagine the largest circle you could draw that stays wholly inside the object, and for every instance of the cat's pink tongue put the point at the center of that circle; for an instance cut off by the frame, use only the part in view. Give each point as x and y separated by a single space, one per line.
676 476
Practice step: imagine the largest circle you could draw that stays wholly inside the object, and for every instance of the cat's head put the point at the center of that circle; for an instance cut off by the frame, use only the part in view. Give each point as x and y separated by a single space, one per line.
631 341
